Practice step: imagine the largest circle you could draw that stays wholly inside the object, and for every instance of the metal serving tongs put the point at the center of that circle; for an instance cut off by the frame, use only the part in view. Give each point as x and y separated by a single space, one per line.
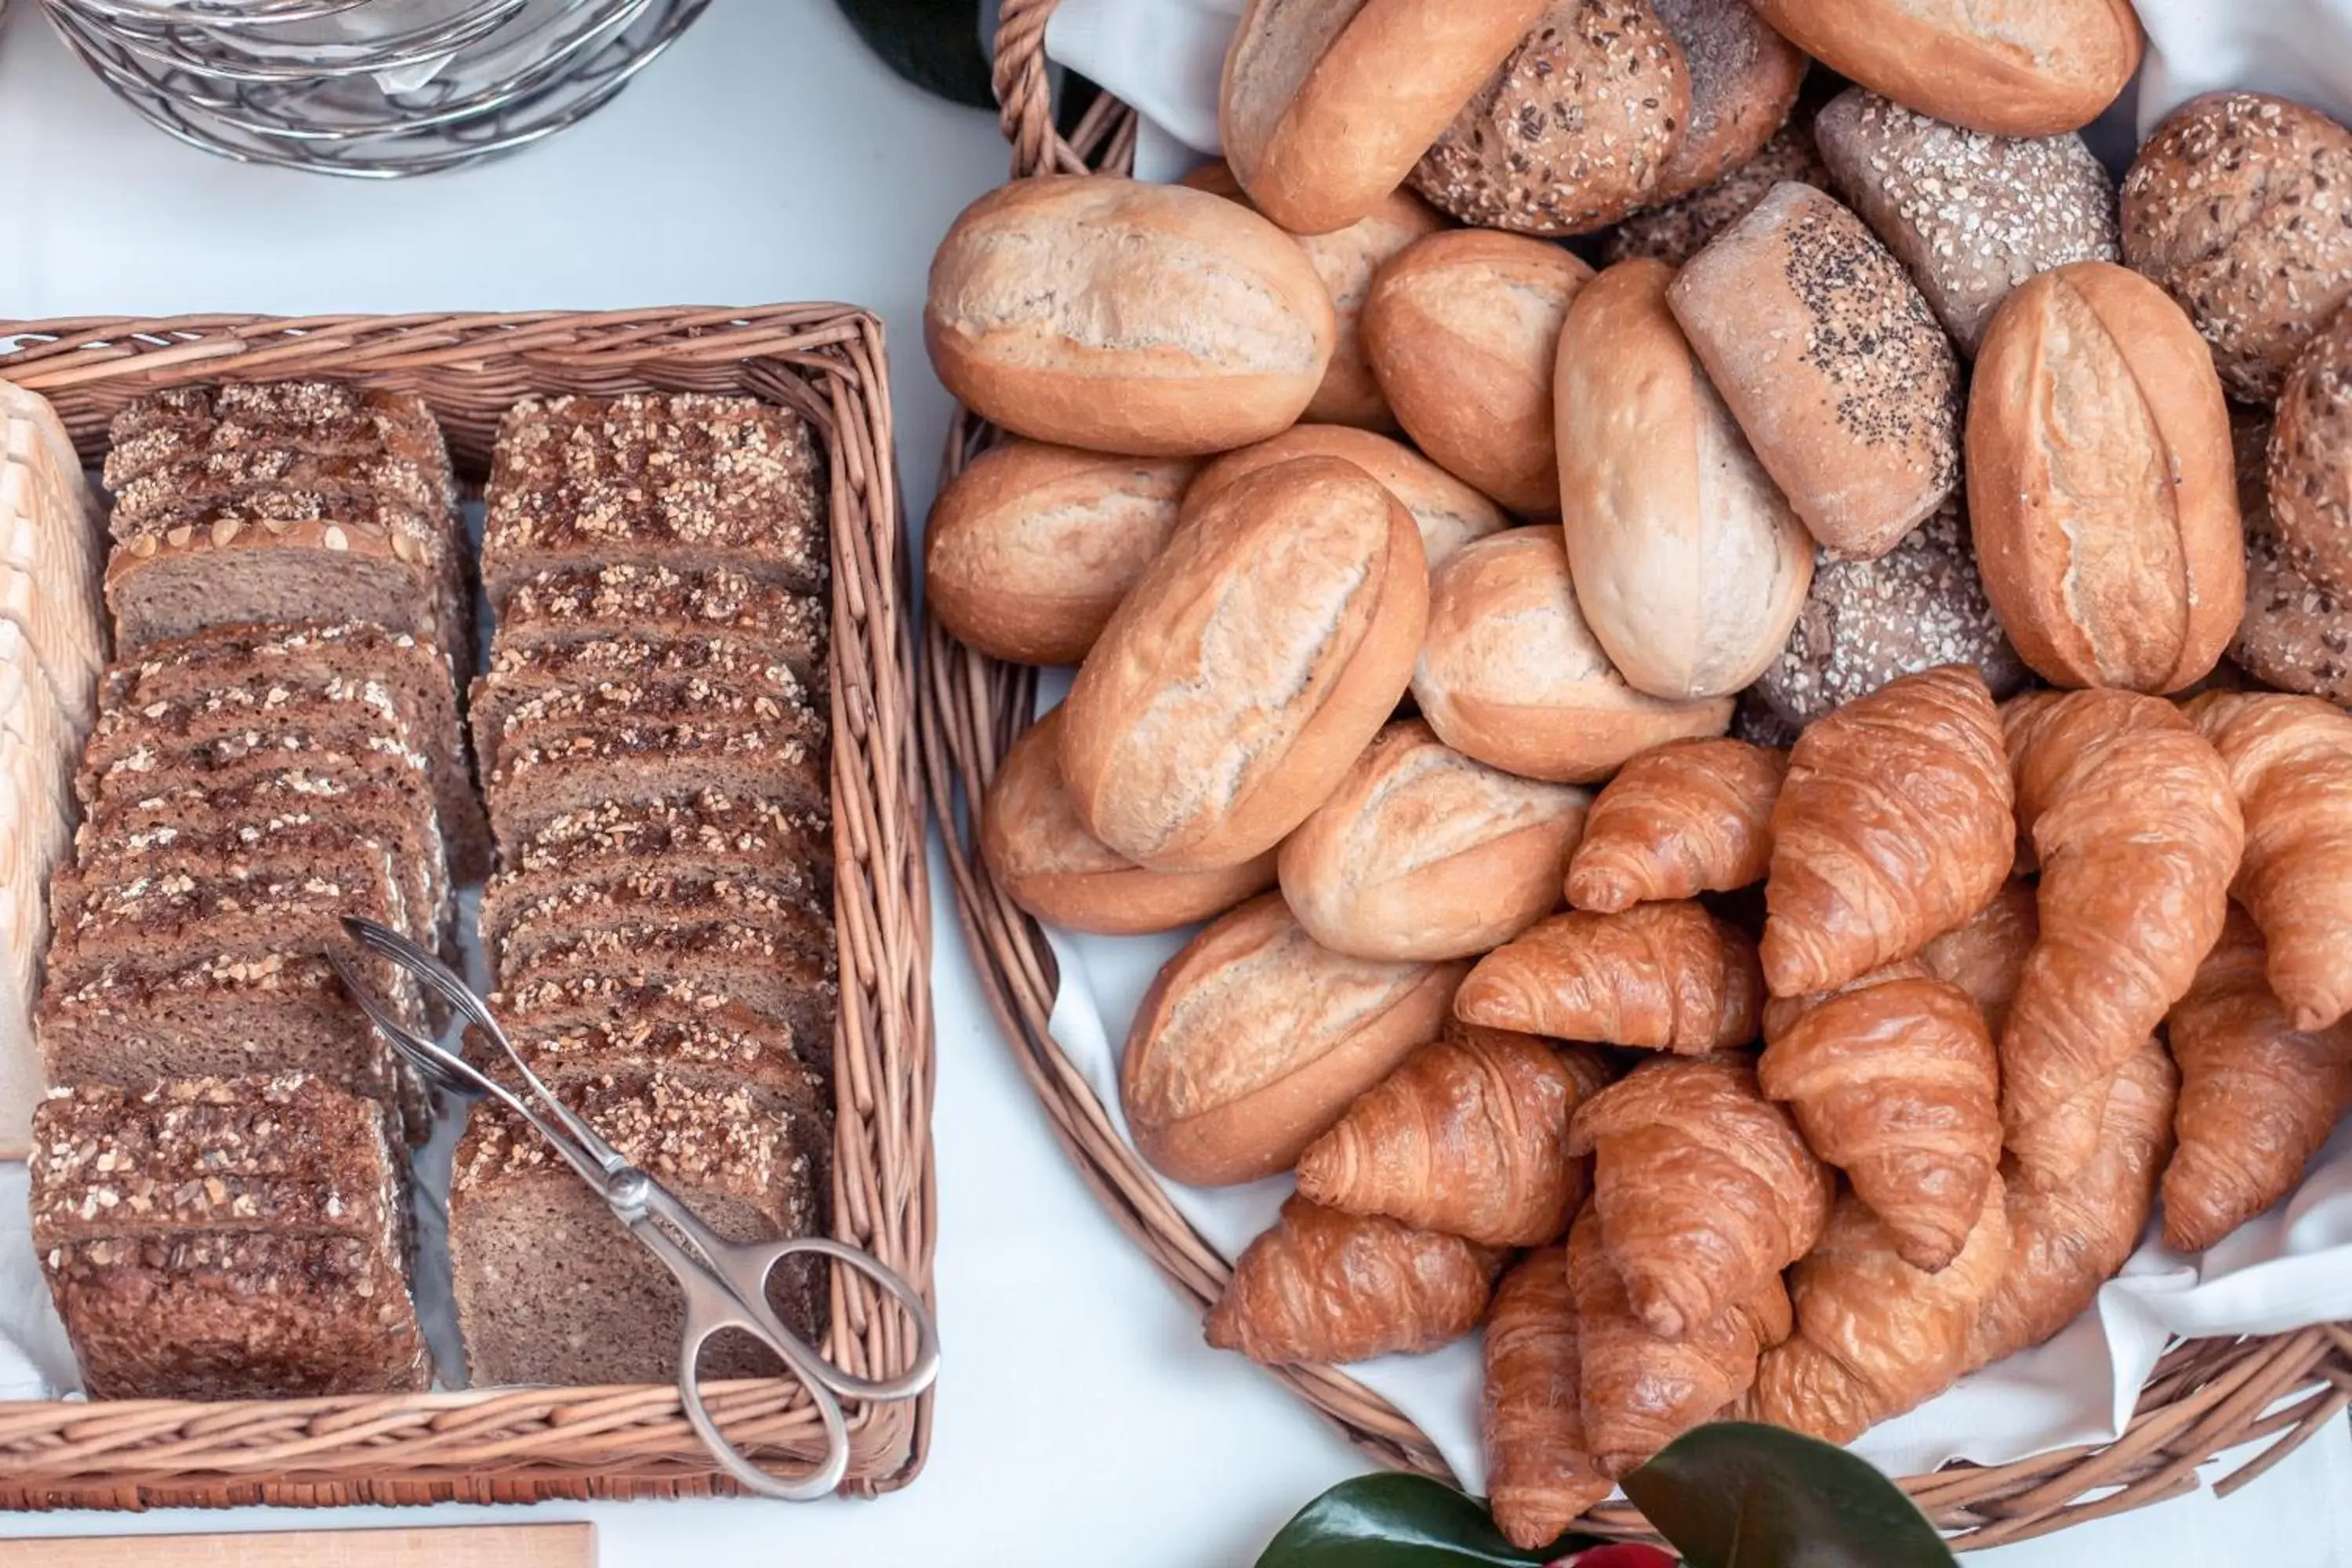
726 1283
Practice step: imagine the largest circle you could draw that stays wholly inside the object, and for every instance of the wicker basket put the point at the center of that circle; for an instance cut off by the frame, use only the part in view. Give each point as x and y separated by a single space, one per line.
825 362
2206 1396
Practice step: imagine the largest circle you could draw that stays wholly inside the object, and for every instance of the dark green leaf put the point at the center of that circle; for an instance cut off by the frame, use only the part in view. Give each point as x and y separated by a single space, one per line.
1734 1495
935 43
1399 1521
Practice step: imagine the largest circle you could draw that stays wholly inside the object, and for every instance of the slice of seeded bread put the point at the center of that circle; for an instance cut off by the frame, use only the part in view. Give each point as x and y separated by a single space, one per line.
707 834
590 604
517 921
564 770
703 676
314 418
596 1008
782 970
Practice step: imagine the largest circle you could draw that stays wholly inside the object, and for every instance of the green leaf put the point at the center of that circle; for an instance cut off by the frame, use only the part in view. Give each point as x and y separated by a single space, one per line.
1737 1495
935 43
1399 1521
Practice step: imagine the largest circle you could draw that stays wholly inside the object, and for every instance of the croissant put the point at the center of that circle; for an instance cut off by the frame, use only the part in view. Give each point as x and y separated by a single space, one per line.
1702 1187
1897 1085
1467 1137
1875 1336
1893 825
1540 1474
2064 1245
1323 1286
2290 759
2258 1096
2139 835
1662 977
1689 817
1986 957
1641 1390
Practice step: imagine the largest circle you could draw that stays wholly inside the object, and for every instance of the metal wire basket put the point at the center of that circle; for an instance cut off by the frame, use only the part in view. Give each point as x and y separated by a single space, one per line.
368 89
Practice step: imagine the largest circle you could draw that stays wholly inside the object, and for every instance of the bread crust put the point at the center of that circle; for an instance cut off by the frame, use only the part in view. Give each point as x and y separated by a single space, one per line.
1450 513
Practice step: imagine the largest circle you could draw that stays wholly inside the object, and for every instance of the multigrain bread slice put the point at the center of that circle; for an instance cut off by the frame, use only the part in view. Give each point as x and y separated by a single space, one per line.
785 967
614 1005
721 1046
709 833
518 920
569 676
590 604
129 852
182 487
547 1292
562 770
311 418
218 726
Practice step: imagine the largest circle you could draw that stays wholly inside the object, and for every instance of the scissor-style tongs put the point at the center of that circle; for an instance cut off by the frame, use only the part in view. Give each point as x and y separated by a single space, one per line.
726 1283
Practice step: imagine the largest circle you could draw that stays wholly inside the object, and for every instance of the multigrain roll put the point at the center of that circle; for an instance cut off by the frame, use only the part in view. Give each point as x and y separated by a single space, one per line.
1744 78
1032 547
2101 488
1463 327
1831 362
1327 104
2297 635
2239 206
2310 476
1690 566
1511 675
1124 317
1677 230
1449 512
1248 670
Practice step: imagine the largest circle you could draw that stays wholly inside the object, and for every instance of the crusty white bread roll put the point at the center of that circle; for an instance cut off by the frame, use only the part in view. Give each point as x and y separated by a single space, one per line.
1688 564
1244 674
1032 547
1831 362
1510 674
1462 328
1255 1039
1125 317
1422 853
1327 104
1451 514
2014 68
2102 491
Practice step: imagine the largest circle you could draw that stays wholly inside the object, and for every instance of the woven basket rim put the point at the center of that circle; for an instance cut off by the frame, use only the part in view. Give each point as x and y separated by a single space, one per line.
2205 1397
827 362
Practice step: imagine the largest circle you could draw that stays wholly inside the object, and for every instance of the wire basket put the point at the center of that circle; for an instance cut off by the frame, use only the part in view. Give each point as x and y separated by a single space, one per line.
368 89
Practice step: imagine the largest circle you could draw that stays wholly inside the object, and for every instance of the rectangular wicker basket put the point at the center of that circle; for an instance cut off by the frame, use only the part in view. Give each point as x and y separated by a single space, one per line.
825 363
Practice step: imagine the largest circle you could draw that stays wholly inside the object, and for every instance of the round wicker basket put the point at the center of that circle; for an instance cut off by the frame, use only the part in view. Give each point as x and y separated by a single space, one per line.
2206 1398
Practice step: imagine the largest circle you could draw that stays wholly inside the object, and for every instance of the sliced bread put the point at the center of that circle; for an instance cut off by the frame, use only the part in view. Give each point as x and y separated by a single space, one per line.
708 675
590 604
593 1009
563 770
518 920
785 969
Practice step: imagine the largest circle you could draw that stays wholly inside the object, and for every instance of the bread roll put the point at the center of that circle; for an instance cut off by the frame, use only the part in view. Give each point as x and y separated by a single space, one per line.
1462 328
1047 861
1575 131
1511 675
1688 564
1239 681
1971 215
1451 514
2310 476
1031 548
2241 207
1743 82
1327 104
2100 483
1677 230
1424 854
2297 635
1831 363
1254 1040
1122 317
2012 68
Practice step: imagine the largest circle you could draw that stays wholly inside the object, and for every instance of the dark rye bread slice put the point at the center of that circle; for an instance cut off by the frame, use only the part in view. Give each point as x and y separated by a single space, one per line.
784 970
312 418
217 730
779 723
584 765
707 834
518 920
616 1005
594 603
549 1291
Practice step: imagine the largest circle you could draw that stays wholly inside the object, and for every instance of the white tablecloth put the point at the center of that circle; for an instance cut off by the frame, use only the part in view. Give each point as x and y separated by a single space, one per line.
1081 1422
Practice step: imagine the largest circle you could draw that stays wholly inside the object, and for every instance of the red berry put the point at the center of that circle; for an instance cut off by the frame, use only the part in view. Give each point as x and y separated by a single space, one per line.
1624 1554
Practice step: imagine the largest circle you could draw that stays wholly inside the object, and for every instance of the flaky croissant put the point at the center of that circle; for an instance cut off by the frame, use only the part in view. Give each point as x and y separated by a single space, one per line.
1469 1137
1897 1085
2258 1096
1329 1287
1640 1391
2138 834
1539 1474
1875 1336
1986 957
1688 817
2064 1245
1702 1187
2290 759
1893 826
1661 976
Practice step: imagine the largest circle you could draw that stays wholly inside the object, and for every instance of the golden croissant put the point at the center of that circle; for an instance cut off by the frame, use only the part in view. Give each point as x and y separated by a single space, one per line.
1986 957
2290 759
1322 1286
1539 1474
1893 826
1661 976
1702 1187
2258 1096
1469 1137
1640 1391
2137 833
1686 818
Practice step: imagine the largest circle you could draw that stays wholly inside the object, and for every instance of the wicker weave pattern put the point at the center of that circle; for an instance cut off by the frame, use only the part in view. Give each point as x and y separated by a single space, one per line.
500 1446
2207 1397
